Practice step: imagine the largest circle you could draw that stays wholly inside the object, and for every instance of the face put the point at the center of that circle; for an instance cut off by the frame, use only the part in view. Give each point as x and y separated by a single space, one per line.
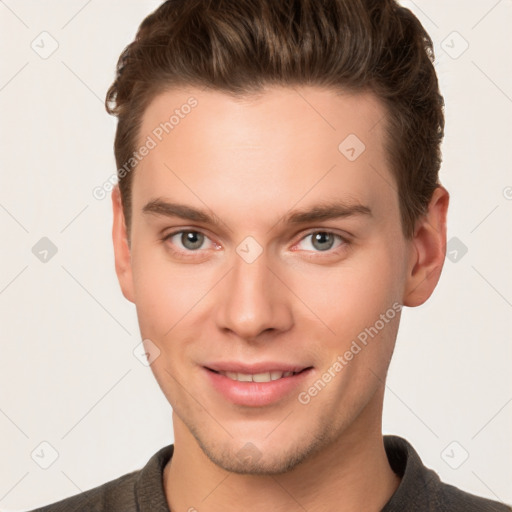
266 239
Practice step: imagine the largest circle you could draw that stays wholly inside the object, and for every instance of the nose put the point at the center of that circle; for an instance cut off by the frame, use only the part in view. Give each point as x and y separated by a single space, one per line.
253 300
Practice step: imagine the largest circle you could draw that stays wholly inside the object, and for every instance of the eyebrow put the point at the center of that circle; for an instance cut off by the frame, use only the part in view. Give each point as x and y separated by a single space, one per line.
320 212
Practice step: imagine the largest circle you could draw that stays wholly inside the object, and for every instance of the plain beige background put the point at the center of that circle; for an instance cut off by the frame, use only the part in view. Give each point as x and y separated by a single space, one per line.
68 374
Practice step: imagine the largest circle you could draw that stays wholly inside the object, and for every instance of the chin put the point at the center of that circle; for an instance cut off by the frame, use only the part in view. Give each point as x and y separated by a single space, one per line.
246 458
250 461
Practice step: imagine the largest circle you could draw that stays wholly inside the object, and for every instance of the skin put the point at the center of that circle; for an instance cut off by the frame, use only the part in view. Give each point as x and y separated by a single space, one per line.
251 162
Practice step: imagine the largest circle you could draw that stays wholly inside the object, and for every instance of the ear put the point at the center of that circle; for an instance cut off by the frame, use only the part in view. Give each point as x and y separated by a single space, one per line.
427 250
121 247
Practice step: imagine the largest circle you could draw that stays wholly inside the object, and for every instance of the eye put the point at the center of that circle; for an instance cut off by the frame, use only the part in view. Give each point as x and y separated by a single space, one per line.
322 241
190 240
186 242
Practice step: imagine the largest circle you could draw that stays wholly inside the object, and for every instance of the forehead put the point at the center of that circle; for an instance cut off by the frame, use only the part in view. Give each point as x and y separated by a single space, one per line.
284 146
299 112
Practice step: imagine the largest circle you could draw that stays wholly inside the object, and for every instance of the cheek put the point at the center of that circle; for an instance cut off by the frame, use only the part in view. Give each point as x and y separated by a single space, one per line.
174 302
356 302
164 292
351 296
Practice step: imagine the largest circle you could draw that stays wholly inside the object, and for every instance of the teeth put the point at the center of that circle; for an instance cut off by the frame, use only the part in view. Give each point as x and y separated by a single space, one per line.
260 377
257 377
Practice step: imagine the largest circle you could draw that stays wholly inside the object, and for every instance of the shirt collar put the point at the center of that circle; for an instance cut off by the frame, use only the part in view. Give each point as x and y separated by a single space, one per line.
149 486
416 486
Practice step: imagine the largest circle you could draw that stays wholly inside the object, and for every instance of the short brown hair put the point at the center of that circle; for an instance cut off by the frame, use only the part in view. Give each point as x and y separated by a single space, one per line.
241 46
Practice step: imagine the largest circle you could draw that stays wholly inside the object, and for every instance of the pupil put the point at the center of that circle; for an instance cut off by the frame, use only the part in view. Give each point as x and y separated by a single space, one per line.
321 237
191 239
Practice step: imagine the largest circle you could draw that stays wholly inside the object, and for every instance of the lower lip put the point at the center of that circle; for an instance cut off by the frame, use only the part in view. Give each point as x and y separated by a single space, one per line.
256 394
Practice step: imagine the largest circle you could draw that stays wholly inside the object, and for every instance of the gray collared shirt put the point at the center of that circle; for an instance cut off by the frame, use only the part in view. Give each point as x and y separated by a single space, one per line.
420 489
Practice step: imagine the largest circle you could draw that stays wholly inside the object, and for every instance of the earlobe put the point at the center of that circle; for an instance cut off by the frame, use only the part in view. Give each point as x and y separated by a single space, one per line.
428 250
122 252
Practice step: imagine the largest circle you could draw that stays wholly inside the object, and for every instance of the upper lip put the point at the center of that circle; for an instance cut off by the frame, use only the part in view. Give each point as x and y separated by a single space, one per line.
254 368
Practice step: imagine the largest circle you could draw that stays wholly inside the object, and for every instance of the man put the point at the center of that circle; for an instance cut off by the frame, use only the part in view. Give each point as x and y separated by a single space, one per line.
250 134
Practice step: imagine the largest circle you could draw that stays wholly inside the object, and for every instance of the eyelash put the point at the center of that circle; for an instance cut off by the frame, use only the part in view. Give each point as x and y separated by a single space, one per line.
190 254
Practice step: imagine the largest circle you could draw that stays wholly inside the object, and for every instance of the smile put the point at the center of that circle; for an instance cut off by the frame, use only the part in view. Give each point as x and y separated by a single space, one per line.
257 377
258 388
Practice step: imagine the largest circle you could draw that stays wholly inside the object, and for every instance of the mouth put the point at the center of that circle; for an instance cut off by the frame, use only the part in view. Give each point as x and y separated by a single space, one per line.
259 377
256 386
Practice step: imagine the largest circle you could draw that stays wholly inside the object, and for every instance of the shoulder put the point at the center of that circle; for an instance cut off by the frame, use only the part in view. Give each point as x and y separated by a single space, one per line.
118 494
450 497
138 490
422 490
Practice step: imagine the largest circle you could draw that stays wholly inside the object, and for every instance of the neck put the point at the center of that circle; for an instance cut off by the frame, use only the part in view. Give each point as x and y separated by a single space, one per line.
351 474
